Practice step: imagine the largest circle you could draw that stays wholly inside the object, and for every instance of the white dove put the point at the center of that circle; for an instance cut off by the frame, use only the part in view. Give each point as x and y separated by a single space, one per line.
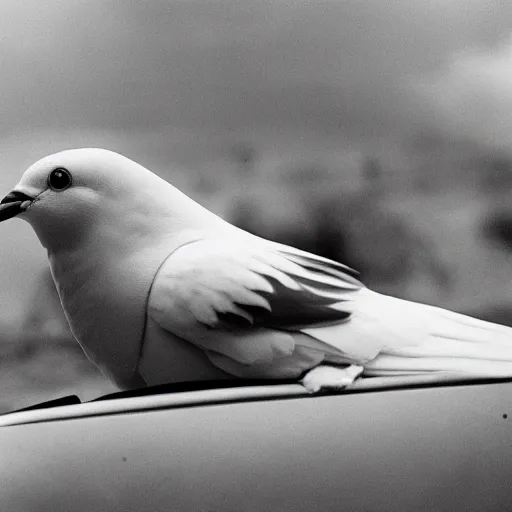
157 289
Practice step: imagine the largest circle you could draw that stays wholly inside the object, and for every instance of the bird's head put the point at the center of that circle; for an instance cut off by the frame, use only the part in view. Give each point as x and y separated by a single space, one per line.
89 193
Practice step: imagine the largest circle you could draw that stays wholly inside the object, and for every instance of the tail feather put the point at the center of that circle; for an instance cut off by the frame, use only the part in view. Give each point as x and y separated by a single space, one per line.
386 364
471 348
402 337
456 326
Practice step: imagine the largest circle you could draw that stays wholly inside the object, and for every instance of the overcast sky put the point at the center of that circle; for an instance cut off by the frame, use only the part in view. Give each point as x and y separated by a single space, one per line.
167 81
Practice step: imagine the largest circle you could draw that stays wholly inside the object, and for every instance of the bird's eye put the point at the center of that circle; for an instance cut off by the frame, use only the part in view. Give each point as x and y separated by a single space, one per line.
59 179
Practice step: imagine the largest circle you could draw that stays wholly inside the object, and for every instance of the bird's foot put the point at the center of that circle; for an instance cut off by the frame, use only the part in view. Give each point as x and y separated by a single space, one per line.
330 377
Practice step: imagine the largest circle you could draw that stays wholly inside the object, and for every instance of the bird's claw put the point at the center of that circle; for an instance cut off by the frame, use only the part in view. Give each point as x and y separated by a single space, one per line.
330 377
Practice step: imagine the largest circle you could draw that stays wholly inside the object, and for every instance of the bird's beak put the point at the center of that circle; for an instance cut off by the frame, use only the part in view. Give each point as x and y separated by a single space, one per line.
13 203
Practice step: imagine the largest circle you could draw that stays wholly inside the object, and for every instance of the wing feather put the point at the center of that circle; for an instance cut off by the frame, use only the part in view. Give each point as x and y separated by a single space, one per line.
238 300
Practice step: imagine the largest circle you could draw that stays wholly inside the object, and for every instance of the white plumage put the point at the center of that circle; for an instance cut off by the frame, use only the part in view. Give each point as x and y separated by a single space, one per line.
158 289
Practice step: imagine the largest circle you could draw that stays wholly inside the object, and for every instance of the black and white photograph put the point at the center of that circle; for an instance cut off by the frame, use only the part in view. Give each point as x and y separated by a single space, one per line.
255 256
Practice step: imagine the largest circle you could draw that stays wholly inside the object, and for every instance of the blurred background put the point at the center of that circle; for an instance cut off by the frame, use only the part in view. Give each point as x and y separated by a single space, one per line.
375 133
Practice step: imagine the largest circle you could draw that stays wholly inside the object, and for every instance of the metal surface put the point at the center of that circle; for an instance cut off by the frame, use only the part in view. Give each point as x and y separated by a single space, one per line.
442 449
210 396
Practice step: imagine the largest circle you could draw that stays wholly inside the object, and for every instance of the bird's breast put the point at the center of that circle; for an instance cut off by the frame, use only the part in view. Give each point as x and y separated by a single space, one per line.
104 297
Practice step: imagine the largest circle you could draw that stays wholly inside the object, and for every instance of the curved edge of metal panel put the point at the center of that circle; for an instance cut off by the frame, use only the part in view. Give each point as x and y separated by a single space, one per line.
235 394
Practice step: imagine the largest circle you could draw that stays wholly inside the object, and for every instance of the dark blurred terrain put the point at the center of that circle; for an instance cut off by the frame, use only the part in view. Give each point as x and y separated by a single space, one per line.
441 236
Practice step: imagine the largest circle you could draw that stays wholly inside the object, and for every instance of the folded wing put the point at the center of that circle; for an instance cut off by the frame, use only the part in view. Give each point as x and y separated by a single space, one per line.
250 302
